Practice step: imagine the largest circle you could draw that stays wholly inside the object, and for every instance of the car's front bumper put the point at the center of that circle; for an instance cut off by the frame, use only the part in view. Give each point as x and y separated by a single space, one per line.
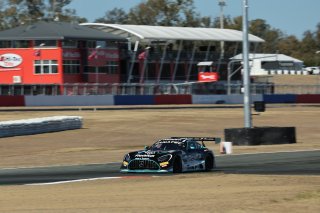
144 171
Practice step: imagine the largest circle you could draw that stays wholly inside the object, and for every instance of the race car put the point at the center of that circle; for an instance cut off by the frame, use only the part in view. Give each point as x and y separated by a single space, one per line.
175 154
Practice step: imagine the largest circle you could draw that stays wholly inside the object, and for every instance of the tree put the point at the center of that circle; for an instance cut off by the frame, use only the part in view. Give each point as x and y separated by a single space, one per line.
17 12
115 16
166 13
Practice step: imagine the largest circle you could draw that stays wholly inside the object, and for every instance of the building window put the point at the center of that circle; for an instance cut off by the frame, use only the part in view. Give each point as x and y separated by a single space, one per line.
71 66
14 44
45 66
20 44
111 45
5 44
94 44
110 68
91 44
45 43
70 43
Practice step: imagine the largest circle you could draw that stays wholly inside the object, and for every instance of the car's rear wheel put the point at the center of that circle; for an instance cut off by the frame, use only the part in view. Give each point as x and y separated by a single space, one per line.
177 165
209 163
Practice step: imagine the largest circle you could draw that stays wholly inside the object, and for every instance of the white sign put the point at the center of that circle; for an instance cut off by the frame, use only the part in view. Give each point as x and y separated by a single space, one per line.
10 60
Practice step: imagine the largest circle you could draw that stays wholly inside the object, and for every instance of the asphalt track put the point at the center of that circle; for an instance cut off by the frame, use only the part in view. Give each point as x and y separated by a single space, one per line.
280 163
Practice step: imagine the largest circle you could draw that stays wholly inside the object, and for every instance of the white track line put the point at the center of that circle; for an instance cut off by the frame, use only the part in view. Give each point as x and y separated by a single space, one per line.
72 181
255 153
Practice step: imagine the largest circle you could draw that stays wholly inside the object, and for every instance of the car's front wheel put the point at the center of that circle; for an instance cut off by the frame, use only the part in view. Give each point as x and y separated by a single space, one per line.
177 165
209 163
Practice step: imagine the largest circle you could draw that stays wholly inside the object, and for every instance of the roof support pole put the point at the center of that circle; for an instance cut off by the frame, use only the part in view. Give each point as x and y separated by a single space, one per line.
246 68
145 64
164 53
133 59
230 68
208 51
236 49
177 62
191 61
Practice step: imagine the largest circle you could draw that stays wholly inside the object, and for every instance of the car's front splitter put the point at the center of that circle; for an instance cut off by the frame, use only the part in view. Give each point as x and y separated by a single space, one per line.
143 171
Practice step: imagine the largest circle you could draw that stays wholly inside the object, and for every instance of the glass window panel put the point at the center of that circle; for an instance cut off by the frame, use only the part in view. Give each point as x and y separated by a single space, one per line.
37 70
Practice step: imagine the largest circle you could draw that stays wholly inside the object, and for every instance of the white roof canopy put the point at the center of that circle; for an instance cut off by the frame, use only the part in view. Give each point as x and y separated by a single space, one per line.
154 33
267 57
205 63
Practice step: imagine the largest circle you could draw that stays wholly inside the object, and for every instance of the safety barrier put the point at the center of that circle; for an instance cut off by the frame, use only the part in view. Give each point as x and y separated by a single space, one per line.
65 100
106 100
223 99
39 125
134 100
289 98
311 98
173 99
17 100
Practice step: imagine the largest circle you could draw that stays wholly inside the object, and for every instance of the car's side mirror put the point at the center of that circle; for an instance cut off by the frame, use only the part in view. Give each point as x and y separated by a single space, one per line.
146 148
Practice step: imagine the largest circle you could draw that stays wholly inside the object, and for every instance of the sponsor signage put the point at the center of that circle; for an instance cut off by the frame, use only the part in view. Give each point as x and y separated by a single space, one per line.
208 76
104 54
71 54
10 60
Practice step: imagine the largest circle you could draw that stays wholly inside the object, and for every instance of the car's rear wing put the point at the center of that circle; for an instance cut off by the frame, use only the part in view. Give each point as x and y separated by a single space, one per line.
216 140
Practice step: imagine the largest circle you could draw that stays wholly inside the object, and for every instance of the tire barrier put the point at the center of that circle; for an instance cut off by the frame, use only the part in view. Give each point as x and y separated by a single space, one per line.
259 106
261 135
39 125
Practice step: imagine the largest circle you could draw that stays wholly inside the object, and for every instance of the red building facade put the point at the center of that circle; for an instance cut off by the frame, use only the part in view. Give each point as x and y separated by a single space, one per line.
55 53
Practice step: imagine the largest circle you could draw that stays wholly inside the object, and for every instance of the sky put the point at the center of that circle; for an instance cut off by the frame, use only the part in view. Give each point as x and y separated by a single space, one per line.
292 17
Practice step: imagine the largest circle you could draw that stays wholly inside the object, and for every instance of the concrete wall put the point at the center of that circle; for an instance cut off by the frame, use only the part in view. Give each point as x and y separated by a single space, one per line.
105 100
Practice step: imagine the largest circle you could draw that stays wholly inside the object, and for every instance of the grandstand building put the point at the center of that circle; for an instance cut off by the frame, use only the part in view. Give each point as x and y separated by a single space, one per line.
40 58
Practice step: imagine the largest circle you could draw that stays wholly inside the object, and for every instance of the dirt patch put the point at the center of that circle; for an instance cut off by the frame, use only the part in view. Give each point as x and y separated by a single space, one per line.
198 192
107 135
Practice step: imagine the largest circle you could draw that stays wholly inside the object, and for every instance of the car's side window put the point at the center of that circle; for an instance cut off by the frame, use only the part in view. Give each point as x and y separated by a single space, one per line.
198 146
192 145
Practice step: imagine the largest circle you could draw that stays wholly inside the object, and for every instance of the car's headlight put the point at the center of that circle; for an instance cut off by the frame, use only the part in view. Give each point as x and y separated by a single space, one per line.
127 158
164 158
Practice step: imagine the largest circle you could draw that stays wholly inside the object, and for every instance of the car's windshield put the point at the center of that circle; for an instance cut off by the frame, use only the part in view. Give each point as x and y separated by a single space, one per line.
166 146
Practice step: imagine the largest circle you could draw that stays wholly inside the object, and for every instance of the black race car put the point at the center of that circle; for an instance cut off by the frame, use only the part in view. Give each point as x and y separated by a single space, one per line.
176 154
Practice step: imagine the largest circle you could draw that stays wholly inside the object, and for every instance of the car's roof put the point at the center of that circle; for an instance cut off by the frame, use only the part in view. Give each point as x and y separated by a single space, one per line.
173 140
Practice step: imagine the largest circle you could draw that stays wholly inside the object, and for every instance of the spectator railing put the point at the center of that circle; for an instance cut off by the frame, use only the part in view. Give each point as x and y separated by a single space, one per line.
152 89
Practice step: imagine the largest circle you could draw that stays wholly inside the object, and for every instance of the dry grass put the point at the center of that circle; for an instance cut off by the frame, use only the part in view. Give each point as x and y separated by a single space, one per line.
107 135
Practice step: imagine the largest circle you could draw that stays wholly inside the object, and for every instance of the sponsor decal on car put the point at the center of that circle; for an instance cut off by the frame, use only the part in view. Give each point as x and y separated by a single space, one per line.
144 156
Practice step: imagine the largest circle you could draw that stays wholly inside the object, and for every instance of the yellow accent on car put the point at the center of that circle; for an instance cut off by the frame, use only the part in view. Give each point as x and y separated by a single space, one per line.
125 163
164 164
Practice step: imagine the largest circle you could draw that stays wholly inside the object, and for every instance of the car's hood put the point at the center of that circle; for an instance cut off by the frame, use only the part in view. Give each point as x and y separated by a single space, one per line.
149 154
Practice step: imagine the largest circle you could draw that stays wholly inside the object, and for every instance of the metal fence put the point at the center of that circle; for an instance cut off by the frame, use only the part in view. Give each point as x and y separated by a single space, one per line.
154 89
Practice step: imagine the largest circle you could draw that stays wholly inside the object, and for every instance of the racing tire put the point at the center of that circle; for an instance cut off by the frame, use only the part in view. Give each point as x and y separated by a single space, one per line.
208 163
177 165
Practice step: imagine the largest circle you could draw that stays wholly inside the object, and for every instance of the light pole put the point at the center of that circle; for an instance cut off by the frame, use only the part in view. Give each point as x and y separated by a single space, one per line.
246 69
318 52
221 3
